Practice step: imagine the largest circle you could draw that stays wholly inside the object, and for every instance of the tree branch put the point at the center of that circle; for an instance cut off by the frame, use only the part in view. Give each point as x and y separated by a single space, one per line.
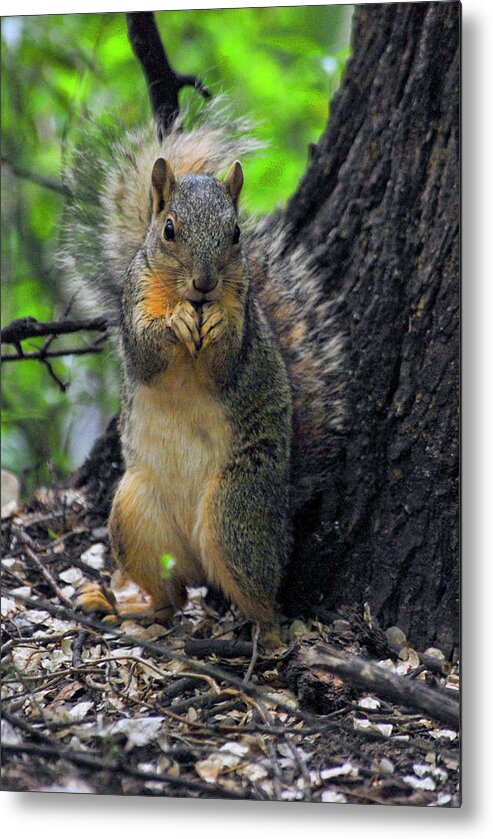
28 327
163 82
366 675
39 355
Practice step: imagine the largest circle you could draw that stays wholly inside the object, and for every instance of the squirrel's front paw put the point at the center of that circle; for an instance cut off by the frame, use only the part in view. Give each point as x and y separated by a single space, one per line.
214 322
185 325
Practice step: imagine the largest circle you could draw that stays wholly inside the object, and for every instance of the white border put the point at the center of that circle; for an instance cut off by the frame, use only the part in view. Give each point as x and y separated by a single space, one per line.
46 816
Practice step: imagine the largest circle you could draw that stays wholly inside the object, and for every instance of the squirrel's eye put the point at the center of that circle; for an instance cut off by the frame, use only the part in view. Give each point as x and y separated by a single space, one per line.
236 235
169 230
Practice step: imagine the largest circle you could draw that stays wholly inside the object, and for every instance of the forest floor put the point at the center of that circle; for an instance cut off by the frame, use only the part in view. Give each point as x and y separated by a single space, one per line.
197 708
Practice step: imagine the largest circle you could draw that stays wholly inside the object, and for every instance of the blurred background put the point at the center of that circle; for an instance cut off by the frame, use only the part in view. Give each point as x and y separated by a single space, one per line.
281 66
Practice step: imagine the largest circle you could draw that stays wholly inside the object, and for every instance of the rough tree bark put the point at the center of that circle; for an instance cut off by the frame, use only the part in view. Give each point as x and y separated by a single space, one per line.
378 206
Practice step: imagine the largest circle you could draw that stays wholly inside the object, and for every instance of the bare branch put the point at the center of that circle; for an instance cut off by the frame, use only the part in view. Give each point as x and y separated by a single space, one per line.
39 355
371 677
29 327
62 385
163 82
27 547
88 761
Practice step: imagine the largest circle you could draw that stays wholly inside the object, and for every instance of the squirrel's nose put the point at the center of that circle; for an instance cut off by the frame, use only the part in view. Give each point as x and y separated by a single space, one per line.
205 283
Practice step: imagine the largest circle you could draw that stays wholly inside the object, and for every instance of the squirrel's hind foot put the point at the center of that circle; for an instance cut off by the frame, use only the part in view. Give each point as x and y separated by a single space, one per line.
91 598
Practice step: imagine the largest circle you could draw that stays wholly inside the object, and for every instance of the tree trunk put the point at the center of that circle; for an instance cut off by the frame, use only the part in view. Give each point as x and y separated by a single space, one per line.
379 207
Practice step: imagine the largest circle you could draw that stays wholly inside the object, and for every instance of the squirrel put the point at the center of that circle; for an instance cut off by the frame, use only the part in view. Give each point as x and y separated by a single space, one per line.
231 362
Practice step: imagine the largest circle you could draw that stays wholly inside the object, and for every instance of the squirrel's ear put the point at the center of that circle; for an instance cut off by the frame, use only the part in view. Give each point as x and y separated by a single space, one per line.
234 181
163 180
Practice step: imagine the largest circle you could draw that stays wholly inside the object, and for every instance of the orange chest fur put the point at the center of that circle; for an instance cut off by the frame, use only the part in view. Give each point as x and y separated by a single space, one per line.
160 296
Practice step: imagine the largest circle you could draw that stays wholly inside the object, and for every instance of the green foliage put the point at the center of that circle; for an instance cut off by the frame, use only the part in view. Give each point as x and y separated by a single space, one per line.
278 65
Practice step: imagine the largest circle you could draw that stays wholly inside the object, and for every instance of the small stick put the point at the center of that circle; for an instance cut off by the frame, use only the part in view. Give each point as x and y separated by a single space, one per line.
27 543
223 649
253 660
77 647
88 761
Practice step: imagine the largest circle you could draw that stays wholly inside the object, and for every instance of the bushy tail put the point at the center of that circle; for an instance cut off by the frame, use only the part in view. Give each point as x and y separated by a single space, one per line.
308 325
108 176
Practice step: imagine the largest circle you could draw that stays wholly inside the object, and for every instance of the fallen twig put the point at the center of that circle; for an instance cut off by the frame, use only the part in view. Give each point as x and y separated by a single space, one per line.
253 659
371 677
223 649
160 650
88 761
28 546
435 665
77 648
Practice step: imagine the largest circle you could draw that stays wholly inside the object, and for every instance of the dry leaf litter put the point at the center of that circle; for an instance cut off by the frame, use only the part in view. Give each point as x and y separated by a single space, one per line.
125 709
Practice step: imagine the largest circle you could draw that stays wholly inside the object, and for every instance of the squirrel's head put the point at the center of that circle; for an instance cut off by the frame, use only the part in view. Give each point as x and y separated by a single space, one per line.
195 226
